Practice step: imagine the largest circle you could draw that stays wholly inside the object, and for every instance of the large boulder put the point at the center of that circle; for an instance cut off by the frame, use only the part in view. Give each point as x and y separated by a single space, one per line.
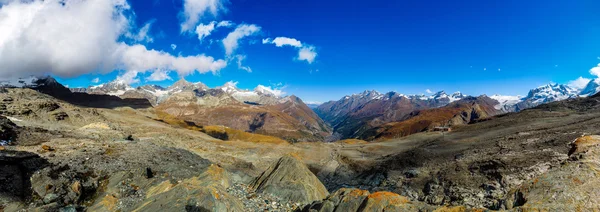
290 180
571 187
8 131
16 168
355 200
207 192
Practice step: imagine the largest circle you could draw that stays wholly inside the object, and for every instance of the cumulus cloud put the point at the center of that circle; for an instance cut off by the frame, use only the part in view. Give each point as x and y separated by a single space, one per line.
595 71
283 41
129 77
194 10
80 37
138 58
428 91
204 30
240 59
579 83
96 80
231 42
272 90
159 75
306 52
225 24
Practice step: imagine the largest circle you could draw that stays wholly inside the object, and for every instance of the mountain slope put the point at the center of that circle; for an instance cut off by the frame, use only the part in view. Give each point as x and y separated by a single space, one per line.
458 113
287 118
353 115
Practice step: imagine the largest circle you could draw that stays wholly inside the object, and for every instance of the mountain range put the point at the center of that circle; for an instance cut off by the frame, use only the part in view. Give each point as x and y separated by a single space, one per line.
369 115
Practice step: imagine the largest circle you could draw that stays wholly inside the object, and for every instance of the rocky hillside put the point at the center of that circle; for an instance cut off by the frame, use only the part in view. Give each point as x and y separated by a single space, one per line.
462 112
288 117
59 156
259 111
354 115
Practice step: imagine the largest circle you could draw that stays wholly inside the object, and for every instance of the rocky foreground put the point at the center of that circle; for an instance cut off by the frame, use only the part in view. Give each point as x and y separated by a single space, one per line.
58 156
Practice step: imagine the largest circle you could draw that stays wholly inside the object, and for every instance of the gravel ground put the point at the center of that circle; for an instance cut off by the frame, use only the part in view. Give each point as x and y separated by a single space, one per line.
260 202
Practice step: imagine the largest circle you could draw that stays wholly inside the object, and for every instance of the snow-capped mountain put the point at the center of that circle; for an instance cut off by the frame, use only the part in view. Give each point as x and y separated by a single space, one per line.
593 87
114 88
156 94
537 96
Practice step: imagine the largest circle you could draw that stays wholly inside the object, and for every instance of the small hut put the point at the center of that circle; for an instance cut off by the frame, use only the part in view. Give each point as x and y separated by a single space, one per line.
442 129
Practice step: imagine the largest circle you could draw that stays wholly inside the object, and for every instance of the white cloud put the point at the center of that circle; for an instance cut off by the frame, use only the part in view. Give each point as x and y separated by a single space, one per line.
269 89
159 75
96 80
225 24
283 41
173 46
80 37
313 103
231 42
428 91
204 30
307 53
595 71
129 77
240 59
194 10
142 35
579 83
138 58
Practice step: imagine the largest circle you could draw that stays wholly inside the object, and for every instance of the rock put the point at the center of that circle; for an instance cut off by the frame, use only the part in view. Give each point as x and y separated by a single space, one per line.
290 180
49 198
47 148
583 144
149 173
16 169
207 192
352 199
8 131
76 187
571 187
59 116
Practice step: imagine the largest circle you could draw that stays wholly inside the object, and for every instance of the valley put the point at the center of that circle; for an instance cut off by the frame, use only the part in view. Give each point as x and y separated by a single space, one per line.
132 158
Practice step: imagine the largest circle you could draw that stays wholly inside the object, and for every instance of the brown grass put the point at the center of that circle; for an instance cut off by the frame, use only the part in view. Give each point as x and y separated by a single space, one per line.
238 135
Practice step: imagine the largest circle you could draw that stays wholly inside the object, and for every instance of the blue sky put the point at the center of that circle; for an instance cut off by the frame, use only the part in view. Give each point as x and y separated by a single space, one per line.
491 47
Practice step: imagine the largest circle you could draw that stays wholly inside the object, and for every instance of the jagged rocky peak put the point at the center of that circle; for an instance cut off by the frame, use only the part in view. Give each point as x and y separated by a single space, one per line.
591 88
184 85
229 87
458 95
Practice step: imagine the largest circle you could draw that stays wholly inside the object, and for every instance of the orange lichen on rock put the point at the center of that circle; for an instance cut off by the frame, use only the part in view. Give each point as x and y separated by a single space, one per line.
358 193
109 202
583 143
391 198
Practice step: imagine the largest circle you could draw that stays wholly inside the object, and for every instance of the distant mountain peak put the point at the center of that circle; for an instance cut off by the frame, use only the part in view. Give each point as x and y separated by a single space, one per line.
181 82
